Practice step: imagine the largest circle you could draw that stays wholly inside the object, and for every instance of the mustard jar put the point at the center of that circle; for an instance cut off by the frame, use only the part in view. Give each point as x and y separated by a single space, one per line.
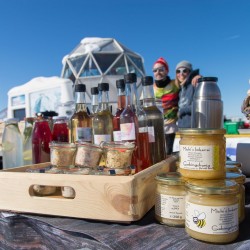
240 179
211 212
170 199
202 153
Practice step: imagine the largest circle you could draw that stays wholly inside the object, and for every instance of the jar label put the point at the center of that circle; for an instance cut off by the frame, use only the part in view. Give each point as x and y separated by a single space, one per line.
170 206
212 219
99 138
199 157
127 131
84 134
151 134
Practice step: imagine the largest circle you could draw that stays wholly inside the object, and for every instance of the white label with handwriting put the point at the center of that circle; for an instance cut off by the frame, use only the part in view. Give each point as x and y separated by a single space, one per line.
199 157
212 219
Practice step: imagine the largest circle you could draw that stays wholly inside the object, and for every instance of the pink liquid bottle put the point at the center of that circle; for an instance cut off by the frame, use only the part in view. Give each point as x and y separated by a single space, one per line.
60 131
41 137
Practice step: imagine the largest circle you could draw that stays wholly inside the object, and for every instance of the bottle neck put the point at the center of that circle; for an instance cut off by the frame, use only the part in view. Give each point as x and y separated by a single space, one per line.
104 101
121 102
148 96
80 101
131 96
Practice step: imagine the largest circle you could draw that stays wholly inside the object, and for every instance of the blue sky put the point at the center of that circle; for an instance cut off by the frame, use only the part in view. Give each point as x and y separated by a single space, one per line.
214 35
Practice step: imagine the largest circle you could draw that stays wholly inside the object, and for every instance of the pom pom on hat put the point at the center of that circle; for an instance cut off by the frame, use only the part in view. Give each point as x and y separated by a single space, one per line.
184 64
162 61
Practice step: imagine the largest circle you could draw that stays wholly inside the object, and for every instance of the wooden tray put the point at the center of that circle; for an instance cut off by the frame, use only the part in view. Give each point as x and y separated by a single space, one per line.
109 198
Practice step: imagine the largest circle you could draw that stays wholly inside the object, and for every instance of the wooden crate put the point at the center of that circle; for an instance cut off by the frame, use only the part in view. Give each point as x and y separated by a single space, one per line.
109 198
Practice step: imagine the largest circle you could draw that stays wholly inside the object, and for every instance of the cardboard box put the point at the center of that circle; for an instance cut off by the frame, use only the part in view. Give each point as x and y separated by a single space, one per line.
109 198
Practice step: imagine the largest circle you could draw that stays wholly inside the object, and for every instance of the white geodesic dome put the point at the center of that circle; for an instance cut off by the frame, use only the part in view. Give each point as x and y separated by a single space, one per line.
97 60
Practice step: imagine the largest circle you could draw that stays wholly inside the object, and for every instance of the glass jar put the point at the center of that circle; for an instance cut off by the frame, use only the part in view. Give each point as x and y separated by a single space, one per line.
240 179
117 155
233 167
60 131
88 155
212 210
202 153
170 199
62 154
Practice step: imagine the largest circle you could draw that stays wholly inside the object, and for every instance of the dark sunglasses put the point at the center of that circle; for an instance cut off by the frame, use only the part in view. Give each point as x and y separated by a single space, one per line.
178 71
160 69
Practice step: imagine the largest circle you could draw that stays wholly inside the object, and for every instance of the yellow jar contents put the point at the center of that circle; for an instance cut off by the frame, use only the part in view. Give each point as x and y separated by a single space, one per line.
170 199
202 153
212 210
240 179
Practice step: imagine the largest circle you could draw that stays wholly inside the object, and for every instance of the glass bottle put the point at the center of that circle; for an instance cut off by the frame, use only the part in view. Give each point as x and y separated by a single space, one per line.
121 102
80 122
60 130
12 144
155 121
130 118
94 100
41 137
102 120
27 140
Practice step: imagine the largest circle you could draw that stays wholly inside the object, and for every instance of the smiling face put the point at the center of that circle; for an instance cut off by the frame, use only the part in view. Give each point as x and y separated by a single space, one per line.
159 71
182 74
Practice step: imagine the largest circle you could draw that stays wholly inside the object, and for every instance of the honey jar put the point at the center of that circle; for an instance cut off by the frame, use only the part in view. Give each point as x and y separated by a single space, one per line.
233 166
212 210
202 153
170 199
240 179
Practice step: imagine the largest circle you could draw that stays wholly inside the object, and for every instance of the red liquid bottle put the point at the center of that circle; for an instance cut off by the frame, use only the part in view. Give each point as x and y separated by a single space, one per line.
60 131
41 137
121 103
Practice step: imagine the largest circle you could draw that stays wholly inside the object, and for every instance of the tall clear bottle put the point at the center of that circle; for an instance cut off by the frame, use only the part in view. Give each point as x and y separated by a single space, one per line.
155 121
94 100
80 122
131 119
12 144
121 103
102 121
27 140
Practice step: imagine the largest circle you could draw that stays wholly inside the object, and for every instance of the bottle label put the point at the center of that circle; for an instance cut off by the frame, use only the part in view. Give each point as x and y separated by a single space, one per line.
212 219
151 134
127 131
170 206
143 129
199 157
99 138
84 134
117 135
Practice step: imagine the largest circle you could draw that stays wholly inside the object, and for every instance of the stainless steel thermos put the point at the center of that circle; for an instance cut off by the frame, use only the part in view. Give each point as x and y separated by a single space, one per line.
207 107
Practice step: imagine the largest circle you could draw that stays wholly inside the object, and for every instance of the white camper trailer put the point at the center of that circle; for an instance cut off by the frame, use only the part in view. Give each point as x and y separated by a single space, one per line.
39 95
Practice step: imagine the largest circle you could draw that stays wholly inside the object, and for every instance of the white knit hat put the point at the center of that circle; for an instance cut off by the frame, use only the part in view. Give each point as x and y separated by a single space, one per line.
184 64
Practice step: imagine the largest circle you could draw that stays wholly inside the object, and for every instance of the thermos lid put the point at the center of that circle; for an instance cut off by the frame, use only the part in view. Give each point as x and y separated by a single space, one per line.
208 79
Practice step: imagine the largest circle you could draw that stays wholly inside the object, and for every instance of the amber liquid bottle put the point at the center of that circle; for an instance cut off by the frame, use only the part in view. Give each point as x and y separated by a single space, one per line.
155 121
121 103
102 121
94 100
129 123
80 122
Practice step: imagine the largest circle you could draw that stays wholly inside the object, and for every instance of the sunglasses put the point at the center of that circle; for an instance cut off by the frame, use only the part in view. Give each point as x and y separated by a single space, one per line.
178 71
160 69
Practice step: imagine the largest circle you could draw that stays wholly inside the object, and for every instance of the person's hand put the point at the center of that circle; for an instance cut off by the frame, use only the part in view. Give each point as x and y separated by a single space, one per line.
195 80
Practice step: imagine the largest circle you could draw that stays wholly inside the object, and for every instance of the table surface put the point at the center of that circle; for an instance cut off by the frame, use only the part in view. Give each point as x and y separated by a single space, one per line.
25 231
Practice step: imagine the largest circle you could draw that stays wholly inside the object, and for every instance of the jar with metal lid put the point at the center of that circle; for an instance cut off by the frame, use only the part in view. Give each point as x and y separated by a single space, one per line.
170 199
211 212
202 153
240 179
233 167
88 155
62 154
